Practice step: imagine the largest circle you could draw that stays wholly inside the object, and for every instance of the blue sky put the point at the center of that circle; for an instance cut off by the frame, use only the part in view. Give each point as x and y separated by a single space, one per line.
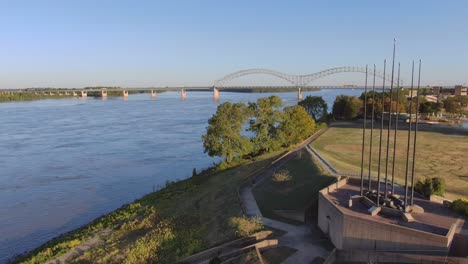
68 43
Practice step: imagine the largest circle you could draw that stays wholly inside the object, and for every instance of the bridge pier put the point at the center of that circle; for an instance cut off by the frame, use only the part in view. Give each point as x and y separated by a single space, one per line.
84 94
74 94
299 94
183 94
104 93
125 93
154 94
215 94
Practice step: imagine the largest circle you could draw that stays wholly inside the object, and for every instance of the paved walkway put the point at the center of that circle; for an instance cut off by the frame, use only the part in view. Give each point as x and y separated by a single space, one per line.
298 237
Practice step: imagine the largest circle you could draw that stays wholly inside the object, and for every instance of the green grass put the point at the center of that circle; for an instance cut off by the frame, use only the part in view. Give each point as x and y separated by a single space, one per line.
184 218
298 194
438 154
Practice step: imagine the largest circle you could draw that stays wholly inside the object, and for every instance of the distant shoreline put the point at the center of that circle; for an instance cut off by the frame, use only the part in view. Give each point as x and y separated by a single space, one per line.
33 96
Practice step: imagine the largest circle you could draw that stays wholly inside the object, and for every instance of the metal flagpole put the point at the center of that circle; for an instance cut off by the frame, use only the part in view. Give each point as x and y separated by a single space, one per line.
380 138
415 135
364 133
409 136
389 121
371 132
396 129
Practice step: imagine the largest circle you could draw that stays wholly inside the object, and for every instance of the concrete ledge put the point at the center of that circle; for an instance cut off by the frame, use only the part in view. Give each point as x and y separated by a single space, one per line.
440 200
390 212
416 209
374 210
408 217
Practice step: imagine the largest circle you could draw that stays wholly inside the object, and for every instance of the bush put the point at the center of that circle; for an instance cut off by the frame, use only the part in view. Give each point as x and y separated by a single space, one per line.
460 206
245 226
438 186
282 176
429 186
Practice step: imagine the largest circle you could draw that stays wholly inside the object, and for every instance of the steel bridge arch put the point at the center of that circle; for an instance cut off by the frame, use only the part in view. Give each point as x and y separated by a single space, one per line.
299 80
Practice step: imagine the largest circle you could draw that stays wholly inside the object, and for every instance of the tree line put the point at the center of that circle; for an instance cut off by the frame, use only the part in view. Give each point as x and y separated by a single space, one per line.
351 107
240 131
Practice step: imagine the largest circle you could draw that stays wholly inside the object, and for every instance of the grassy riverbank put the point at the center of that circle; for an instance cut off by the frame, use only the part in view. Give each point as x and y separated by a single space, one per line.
177 221
29 96
439 154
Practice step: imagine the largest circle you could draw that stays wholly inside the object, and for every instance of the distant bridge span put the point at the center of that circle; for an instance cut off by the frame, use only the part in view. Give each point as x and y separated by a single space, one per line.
298 80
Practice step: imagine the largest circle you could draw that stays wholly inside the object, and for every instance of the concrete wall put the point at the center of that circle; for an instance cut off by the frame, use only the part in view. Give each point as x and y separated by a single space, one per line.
351 256
348 231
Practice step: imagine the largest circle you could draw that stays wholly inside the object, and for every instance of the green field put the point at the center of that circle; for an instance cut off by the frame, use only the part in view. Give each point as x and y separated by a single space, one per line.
438 155
184 218
299 193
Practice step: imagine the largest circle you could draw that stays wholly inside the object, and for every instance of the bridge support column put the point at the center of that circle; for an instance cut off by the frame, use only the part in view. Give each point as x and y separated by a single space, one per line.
125 93
74 94
299 94
104 94
183 94
84 94
215 94
154 94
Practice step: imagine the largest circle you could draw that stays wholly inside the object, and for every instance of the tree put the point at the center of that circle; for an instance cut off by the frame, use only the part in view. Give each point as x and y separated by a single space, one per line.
266 114
346 107
296 125
452 105
429 107
315 107
223 135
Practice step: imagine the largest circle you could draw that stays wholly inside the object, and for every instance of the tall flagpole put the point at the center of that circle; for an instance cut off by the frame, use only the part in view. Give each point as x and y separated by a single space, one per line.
409 137
389 121
396 129
371 132
364 133
380 138
415 134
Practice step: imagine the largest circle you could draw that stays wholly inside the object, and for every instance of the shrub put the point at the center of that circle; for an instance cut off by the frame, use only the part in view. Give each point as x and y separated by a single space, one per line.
245 226
460 206
438 186
282 176
429 186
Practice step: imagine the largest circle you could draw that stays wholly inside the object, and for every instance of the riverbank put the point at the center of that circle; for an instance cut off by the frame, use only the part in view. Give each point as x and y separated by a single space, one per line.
183 218
31 95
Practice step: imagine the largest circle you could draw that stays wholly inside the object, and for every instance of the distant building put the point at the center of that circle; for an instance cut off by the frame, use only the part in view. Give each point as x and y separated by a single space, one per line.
457 90
460 90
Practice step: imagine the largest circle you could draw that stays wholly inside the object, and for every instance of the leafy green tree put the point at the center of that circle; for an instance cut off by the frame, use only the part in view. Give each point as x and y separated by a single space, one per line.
315 106
266 114
346 107
223 135
452 105
296 125
430 107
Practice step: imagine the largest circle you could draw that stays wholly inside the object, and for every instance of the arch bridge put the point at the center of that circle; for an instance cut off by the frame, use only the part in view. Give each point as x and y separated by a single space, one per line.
296 80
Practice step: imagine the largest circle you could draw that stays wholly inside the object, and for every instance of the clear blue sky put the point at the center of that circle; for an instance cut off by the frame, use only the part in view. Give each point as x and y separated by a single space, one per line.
68 43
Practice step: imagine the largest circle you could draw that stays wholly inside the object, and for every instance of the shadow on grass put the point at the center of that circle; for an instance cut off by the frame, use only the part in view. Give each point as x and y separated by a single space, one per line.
298 194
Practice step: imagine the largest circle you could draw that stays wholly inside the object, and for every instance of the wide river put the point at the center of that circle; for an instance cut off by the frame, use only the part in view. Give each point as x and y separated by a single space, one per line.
65 162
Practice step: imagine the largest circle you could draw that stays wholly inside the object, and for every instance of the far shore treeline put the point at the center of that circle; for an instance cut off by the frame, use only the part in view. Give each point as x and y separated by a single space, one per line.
351 107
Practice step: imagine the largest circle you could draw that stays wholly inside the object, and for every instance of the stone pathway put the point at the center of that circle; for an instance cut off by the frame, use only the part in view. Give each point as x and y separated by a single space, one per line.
298 237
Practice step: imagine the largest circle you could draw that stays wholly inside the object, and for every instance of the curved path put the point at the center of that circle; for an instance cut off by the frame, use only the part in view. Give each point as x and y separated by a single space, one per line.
299 237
